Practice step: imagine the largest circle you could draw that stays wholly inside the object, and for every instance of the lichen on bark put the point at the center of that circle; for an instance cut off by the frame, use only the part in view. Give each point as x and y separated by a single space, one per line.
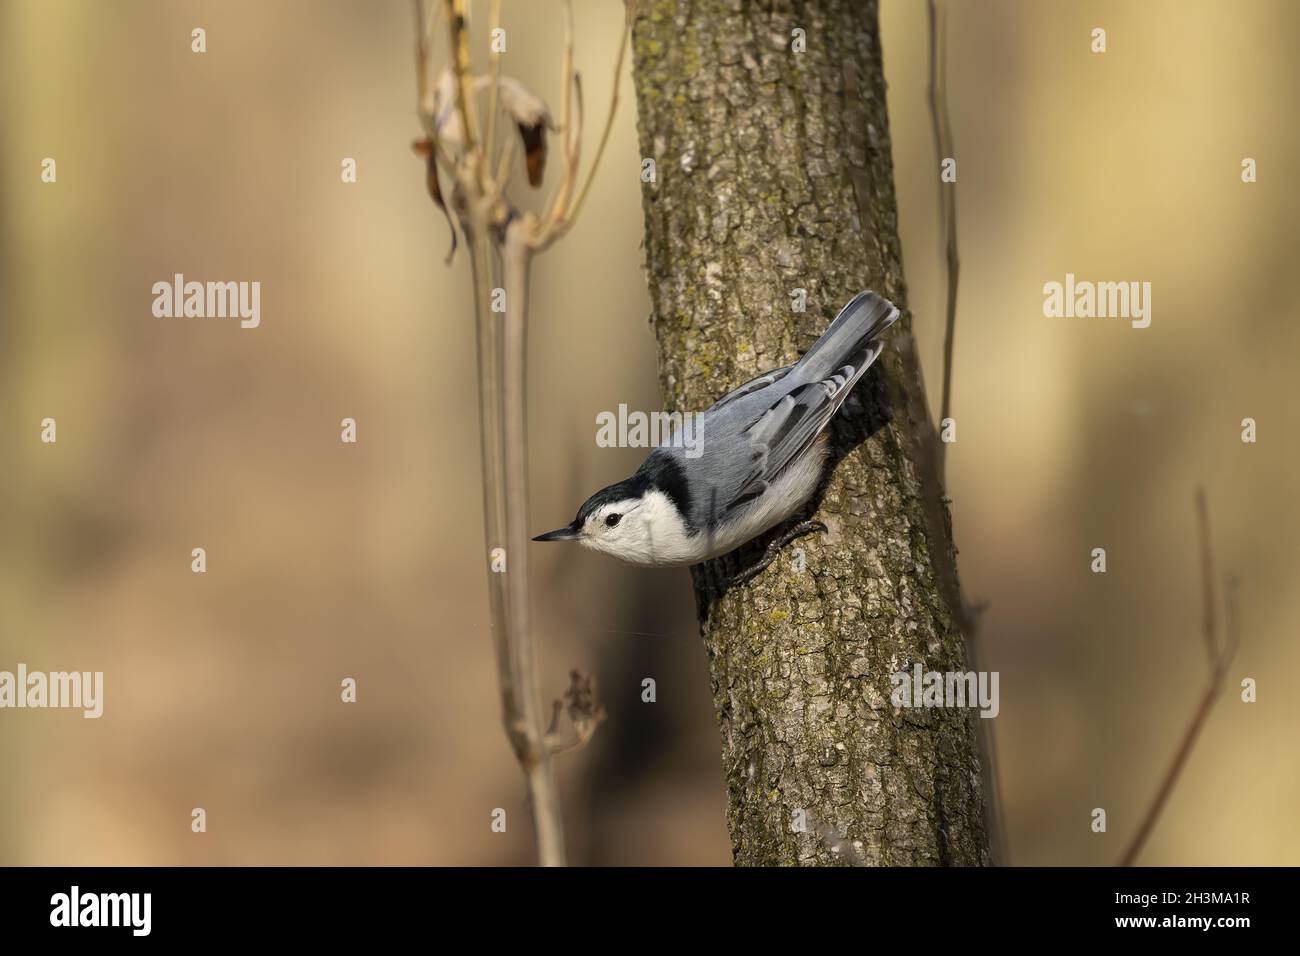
773 174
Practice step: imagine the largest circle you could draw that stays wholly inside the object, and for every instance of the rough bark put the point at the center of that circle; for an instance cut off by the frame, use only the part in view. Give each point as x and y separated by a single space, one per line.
773 173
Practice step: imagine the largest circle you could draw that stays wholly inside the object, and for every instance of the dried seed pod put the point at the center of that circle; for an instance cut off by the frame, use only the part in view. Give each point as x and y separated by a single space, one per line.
532 119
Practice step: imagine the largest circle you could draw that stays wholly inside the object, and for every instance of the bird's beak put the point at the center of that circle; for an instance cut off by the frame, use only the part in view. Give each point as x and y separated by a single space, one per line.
567 533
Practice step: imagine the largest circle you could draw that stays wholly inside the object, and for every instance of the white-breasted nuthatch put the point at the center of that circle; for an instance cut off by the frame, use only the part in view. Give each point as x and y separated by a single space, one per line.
762 451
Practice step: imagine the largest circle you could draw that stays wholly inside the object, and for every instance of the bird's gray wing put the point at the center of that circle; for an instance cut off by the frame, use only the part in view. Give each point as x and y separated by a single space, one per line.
753 385
787 428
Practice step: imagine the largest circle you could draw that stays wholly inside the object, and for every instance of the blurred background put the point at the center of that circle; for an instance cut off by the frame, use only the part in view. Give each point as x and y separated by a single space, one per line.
328 560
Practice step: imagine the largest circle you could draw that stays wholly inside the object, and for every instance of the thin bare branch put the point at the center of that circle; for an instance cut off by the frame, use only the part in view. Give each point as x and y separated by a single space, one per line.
522 645
494 76
424 97
570 78
938 94
458 40
422 94
1209 624
575 145
613 110
553 220
1219 665
930 453
1230 587
503 164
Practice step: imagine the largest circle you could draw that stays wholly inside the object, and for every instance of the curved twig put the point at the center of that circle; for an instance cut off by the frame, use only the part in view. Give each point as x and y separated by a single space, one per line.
1220 659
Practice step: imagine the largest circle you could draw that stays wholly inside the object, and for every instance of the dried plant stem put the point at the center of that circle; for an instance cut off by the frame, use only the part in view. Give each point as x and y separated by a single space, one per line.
558 209
493 225
502 351
458 37
933 464
536 760
490 435
559 217
613 109
494 72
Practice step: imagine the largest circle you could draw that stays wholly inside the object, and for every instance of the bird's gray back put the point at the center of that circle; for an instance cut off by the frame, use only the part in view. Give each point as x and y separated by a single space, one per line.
719 473
752 434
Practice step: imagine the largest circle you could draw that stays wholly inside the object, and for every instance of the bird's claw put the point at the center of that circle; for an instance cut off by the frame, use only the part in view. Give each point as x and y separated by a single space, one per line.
774 548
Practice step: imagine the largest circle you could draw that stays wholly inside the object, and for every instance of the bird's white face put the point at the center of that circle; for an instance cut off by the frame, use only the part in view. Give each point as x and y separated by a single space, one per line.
644 530
647 530
639 530
617 528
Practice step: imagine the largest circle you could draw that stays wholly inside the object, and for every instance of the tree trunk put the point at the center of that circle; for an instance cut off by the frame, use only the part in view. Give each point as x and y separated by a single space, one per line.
773 174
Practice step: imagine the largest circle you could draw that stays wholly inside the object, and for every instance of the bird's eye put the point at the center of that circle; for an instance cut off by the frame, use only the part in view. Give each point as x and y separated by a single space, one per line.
612 520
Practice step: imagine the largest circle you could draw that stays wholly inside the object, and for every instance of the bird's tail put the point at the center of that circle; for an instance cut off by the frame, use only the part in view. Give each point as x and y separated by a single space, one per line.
865 318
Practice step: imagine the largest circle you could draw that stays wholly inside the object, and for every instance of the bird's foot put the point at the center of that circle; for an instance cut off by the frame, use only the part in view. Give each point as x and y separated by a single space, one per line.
774 548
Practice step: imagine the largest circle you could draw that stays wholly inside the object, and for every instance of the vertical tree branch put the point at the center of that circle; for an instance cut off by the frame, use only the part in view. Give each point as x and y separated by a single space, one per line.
969 615
515 257
558 210
1209 623
490 440
494 73
466 107
491 223
938 94
502 354
629 15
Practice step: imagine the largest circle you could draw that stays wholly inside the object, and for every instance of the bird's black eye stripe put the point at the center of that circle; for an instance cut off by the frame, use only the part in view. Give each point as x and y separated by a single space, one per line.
612 520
